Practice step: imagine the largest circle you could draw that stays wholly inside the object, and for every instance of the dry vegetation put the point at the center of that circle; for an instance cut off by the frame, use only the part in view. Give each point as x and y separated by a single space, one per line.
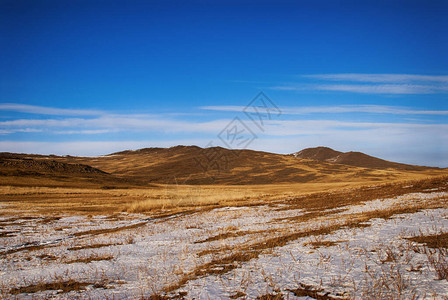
176 198
307 218
435 247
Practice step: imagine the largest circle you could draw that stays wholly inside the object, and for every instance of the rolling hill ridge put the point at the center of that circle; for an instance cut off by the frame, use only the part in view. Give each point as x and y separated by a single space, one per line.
357 159
22 169
216 165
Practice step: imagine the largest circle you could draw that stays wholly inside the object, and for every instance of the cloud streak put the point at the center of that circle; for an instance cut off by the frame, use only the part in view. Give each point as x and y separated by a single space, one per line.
329 127
118 123
371 83
359 77
42 110
26 130
303 110
383 88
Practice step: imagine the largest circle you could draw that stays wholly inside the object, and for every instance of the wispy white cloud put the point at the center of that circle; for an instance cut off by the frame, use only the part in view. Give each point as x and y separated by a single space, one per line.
120 123
71 121
42 110
15 130
233 108
328 127
383 88
87 121
91 131
371 83
368 88
302 110
149 123
360 77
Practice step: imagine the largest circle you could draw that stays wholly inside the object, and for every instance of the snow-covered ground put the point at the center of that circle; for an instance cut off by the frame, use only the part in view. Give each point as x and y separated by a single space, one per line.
128 256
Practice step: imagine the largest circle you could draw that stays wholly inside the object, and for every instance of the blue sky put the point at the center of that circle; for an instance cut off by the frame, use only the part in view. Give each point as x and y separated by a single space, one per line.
92 77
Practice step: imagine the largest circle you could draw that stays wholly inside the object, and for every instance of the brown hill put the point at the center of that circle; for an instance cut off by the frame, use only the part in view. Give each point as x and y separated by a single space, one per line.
318 153
16 165
357 159
216 165
22 169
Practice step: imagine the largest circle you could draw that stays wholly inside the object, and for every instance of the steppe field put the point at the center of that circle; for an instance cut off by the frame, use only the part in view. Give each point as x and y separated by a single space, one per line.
75 237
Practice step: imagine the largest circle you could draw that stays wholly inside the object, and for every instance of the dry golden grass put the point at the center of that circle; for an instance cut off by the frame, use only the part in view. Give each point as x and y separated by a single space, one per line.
436 249
88 259
193 196
316 293
50 200
433 241
92 246
222 262
64 286
318 244
318 204
59 285
24 200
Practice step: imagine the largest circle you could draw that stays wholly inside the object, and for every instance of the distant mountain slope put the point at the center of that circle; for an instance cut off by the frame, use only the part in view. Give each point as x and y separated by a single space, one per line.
50 170
12 165
318 153
357 159
216 165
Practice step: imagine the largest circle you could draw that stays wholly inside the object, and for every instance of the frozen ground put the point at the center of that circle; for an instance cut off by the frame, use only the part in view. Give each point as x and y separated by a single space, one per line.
239 252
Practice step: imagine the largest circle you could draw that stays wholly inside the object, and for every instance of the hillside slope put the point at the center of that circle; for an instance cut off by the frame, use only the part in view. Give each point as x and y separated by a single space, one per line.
215 165
357 159
15 165
20 169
